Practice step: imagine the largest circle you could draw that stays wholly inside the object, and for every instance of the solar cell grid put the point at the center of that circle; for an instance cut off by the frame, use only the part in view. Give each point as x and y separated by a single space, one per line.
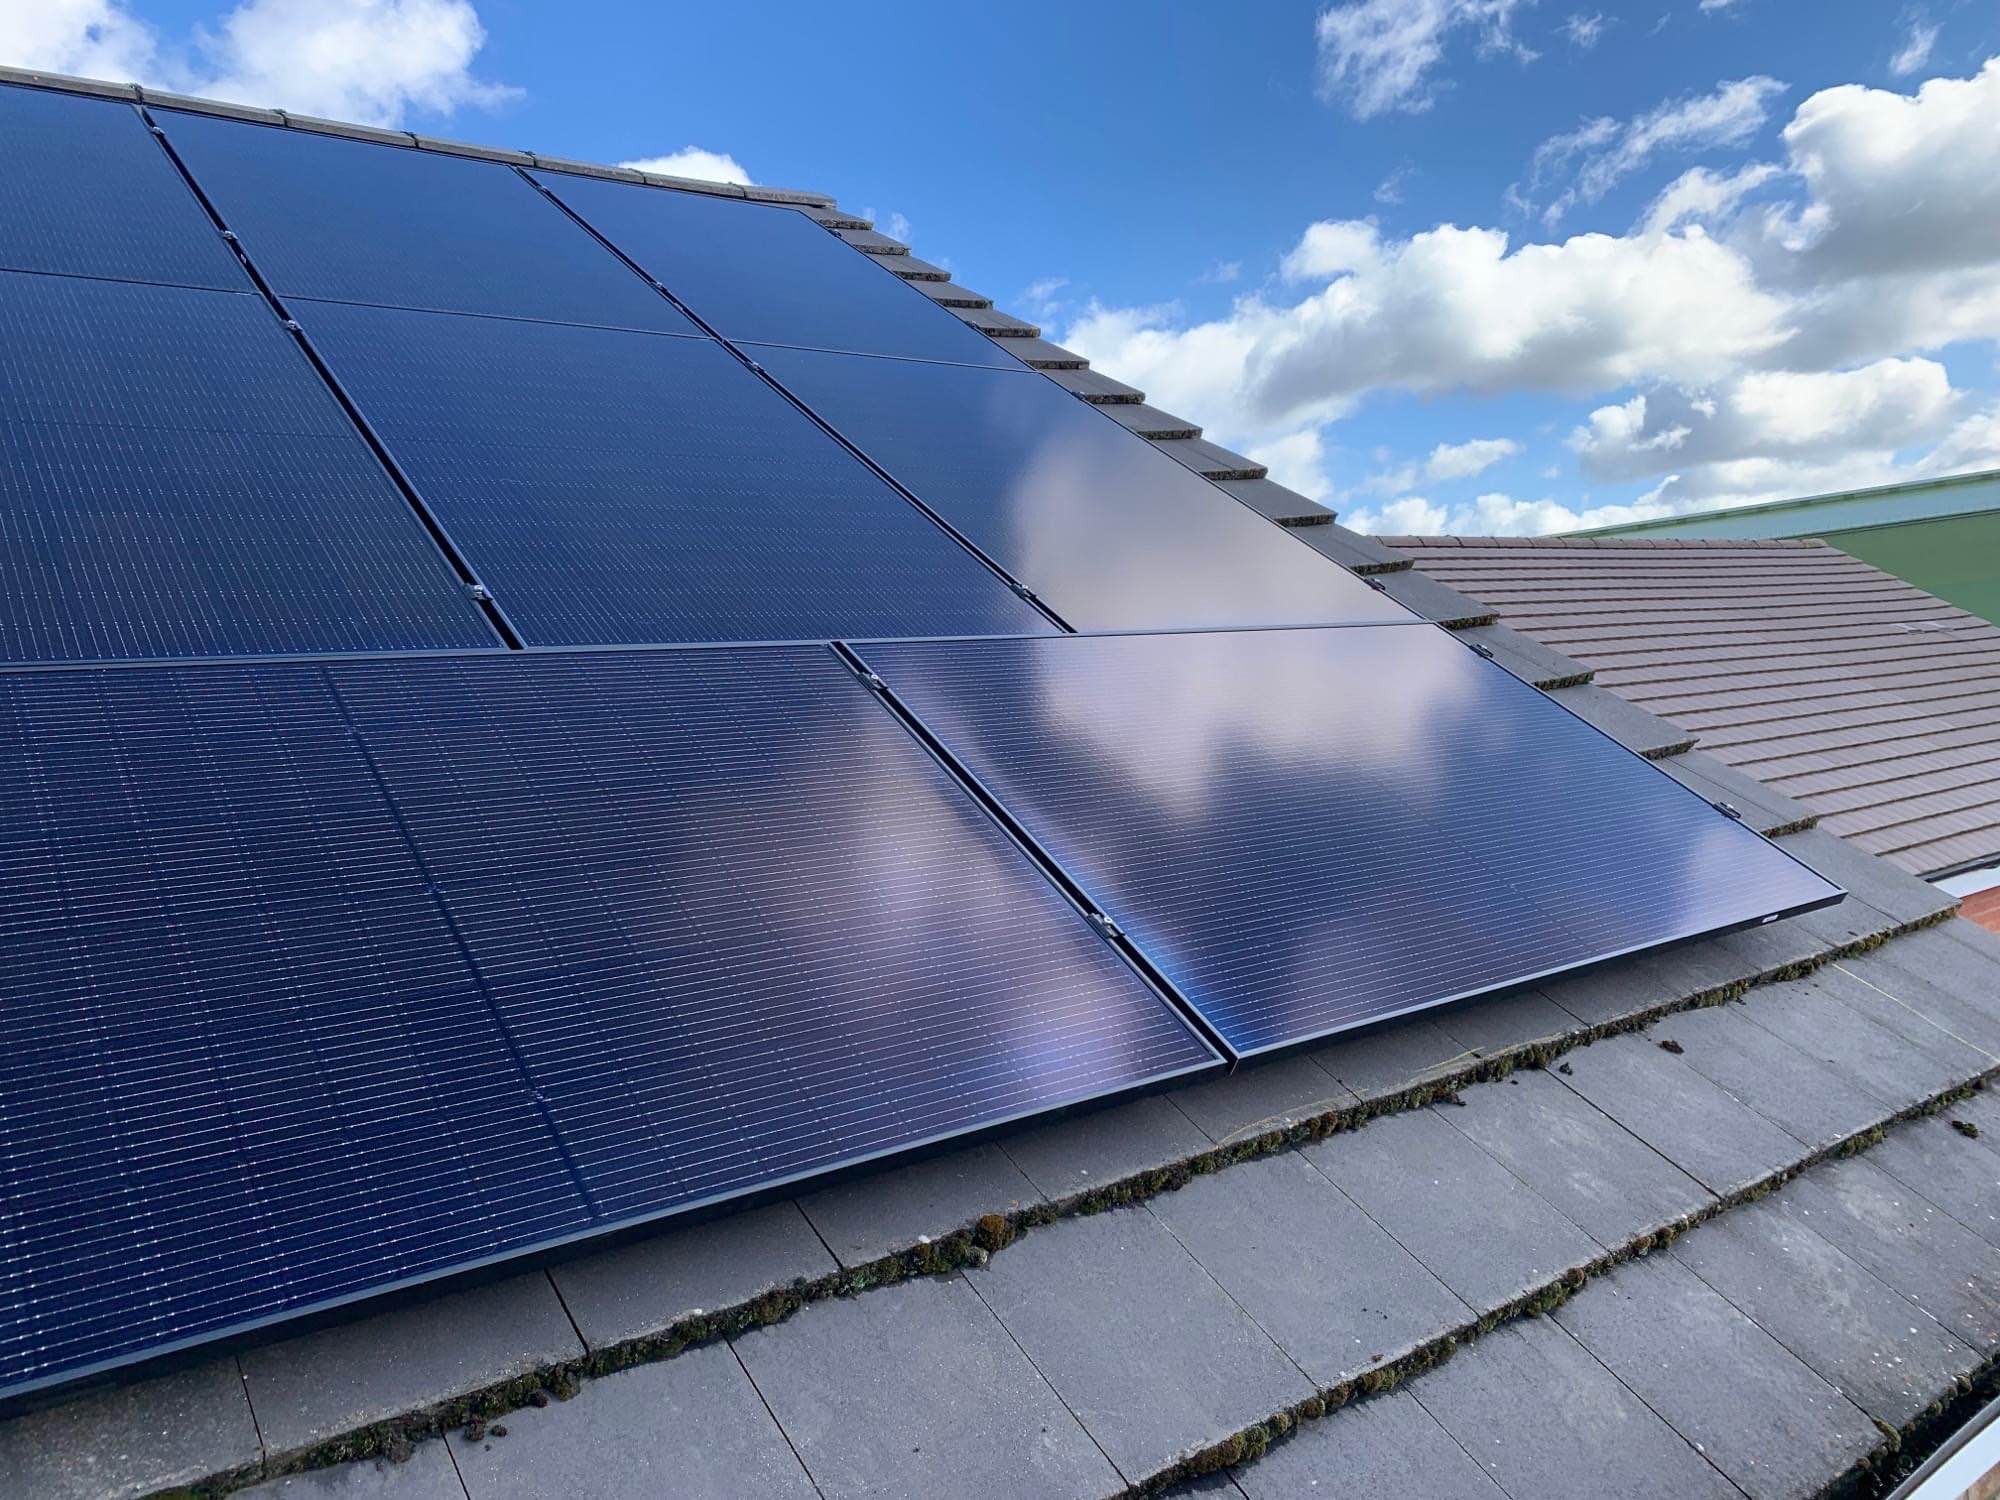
86 191
322 216
1308 830
177 481
1110 532
760 272
320 977
616 487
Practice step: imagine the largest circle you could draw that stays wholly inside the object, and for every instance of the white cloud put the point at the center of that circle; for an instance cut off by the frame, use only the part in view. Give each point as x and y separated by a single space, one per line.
1491 515
1042 296
1376 56
1700 196
1390 189
1761 331
372 61
692 161
1584 32
1605 151
1463 460
1916 48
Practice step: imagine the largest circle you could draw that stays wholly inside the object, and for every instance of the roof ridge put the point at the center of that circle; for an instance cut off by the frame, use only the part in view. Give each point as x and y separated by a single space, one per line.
139 94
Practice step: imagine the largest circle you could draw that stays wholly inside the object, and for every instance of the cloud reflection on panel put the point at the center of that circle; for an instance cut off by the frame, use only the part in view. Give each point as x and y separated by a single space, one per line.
1308 830
1111 533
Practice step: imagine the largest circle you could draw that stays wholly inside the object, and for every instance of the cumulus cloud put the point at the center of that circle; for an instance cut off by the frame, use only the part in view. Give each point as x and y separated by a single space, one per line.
1378 56
1492 515
692 161
1760 331
372 61
1601 153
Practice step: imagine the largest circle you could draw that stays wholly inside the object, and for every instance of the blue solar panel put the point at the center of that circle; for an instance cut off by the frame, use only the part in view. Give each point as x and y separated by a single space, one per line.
175 480
1111 533
618 487
322 216
87 191
755 271
322 978
1308 830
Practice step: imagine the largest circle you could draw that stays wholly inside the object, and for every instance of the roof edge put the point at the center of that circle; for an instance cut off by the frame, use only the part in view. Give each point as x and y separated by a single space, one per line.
134 93
1663 525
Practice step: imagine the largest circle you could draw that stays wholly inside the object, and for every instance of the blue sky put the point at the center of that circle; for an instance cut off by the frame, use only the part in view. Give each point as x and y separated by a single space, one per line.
1476 264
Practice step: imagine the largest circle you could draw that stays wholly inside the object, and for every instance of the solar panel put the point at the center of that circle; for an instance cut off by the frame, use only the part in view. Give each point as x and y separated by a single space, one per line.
175 480
618 487
88 192
1109 531
1308 830
325 978
325 217
760 272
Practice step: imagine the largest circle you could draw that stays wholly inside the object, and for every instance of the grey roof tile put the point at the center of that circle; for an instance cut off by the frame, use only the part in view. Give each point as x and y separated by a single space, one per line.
1324 1280
1265 1096
1434 601
1875 881
1211 460
1804 1095
500 153
1827 1015
1960 1175
1351 549
1152 1356
1906 1241
161 99
951 294
1276 503
1718 781
1388 1059
950 1405
872 1216
997 324
1043 355
373 133
1386 1446
41 78
1497 1024
1861 1336
332 1380
1602 1178
1953 986
1643 733
1087 1151
1545 1419
1423 1182
1093 387
1759 1414
647 1286
132 1440
873 243
692 1426
1150 421
914 268
1526 658
1694 1123
427 1474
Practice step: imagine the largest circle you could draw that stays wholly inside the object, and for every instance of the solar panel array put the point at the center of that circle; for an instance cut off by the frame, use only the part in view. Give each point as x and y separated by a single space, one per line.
534 704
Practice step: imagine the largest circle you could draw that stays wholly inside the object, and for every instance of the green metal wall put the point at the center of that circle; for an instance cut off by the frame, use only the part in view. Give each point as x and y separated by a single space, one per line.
1955 557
